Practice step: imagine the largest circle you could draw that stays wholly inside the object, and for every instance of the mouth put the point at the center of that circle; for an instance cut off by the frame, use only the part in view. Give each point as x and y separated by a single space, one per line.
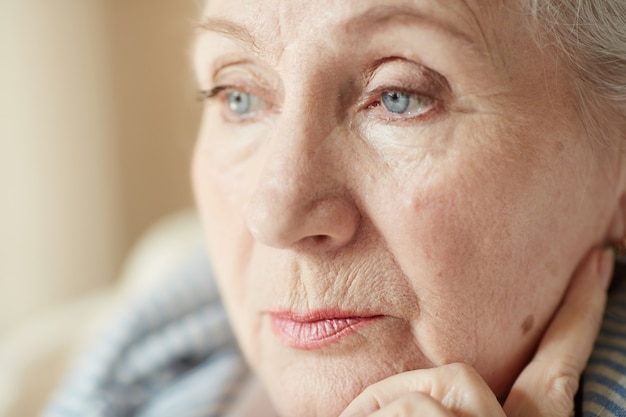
316 329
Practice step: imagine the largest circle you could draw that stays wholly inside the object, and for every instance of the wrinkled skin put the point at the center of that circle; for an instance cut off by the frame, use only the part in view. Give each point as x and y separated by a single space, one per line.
459 221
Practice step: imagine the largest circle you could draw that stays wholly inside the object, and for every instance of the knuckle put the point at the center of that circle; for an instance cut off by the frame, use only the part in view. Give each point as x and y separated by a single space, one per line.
562 387
463 372
406 407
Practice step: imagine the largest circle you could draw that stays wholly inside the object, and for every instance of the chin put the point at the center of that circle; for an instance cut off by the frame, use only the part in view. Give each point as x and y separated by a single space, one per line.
305 396
324 382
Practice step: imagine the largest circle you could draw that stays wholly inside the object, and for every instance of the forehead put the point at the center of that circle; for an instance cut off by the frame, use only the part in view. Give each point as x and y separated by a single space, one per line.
277 23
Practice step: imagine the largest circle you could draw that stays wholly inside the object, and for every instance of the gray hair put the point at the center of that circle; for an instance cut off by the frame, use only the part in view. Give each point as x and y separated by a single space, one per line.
591 38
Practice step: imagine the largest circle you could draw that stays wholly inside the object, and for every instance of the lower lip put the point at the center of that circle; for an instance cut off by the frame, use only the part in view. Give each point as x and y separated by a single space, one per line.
315 332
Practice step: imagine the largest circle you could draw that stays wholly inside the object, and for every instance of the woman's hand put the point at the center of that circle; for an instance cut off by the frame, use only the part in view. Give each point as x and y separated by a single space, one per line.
548 384
446 391
546 387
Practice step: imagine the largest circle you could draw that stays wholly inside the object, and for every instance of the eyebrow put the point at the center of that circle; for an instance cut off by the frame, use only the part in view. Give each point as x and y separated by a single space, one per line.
229 29
382 15
377 16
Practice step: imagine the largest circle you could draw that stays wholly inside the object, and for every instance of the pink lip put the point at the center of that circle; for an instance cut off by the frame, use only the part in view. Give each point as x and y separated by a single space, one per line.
316 329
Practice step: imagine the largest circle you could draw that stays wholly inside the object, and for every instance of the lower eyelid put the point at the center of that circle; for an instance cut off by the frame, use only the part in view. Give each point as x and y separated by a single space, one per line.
434 109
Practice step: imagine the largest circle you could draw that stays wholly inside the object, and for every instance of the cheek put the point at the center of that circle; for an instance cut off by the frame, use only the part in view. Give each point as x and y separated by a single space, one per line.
216 207
218 199
478 264
218 194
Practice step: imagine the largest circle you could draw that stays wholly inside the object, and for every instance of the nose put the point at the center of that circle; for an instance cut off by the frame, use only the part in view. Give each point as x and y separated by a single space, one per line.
301 199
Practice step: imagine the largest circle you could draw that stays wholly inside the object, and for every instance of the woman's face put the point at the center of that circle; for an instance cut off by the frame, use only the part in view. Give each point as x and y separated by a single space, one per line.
387 186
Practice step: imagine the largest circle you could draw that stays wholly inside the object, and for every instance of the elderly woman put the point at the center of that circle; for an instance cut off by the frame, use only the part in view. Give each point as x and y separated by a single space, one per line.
406 202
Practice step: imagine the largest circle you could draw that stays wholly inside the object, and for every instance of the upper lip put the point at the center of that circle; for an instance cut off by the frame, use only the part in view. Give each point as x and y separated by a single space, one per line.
319 315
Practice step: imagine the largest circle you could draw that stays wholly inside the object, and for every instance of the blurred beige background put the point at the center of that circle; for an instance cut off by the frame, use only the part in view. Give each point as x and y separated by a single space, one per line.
98 116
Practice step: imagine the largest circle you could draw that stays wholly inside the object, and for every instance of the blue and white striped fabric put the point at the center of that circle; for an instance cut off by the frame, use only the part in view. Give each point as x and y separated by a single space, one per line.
172 354
604 380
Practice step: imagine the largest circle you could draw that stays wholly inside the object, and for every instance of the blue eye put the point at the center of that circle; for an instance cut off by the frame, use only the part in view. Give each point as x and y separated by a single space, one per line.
244 105
238 102
396 102
402 103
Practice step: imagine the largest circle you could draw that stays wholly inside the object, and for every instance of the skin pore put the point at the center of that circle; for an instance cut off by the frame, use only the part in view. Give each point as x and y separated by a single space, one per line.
417 161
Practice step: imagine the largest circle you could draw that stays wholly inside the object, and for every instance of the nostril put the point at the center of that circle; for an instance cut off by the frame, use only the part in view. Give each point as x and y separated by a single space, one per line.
321 242
320 239
315 243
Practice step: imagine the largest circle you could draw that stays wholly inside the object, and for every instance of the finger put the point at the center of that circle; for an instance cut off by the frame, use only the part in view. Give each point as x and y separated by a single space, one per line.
457 387
547 386
415 404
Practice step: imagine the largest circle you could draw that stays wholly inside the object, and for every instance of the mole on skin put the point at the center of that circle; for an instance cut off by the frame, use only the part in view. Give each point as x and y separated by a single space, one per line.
527 324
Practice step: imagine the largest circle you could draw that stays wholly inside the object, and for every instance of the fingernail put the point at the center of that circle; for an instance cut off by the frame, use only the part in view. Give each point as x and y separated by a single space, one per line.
605 267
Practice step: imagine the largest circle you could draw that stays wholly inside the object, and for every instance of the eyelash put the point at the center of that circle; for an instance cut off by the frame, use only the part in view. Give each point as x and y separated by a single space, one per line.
374 100
221 93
